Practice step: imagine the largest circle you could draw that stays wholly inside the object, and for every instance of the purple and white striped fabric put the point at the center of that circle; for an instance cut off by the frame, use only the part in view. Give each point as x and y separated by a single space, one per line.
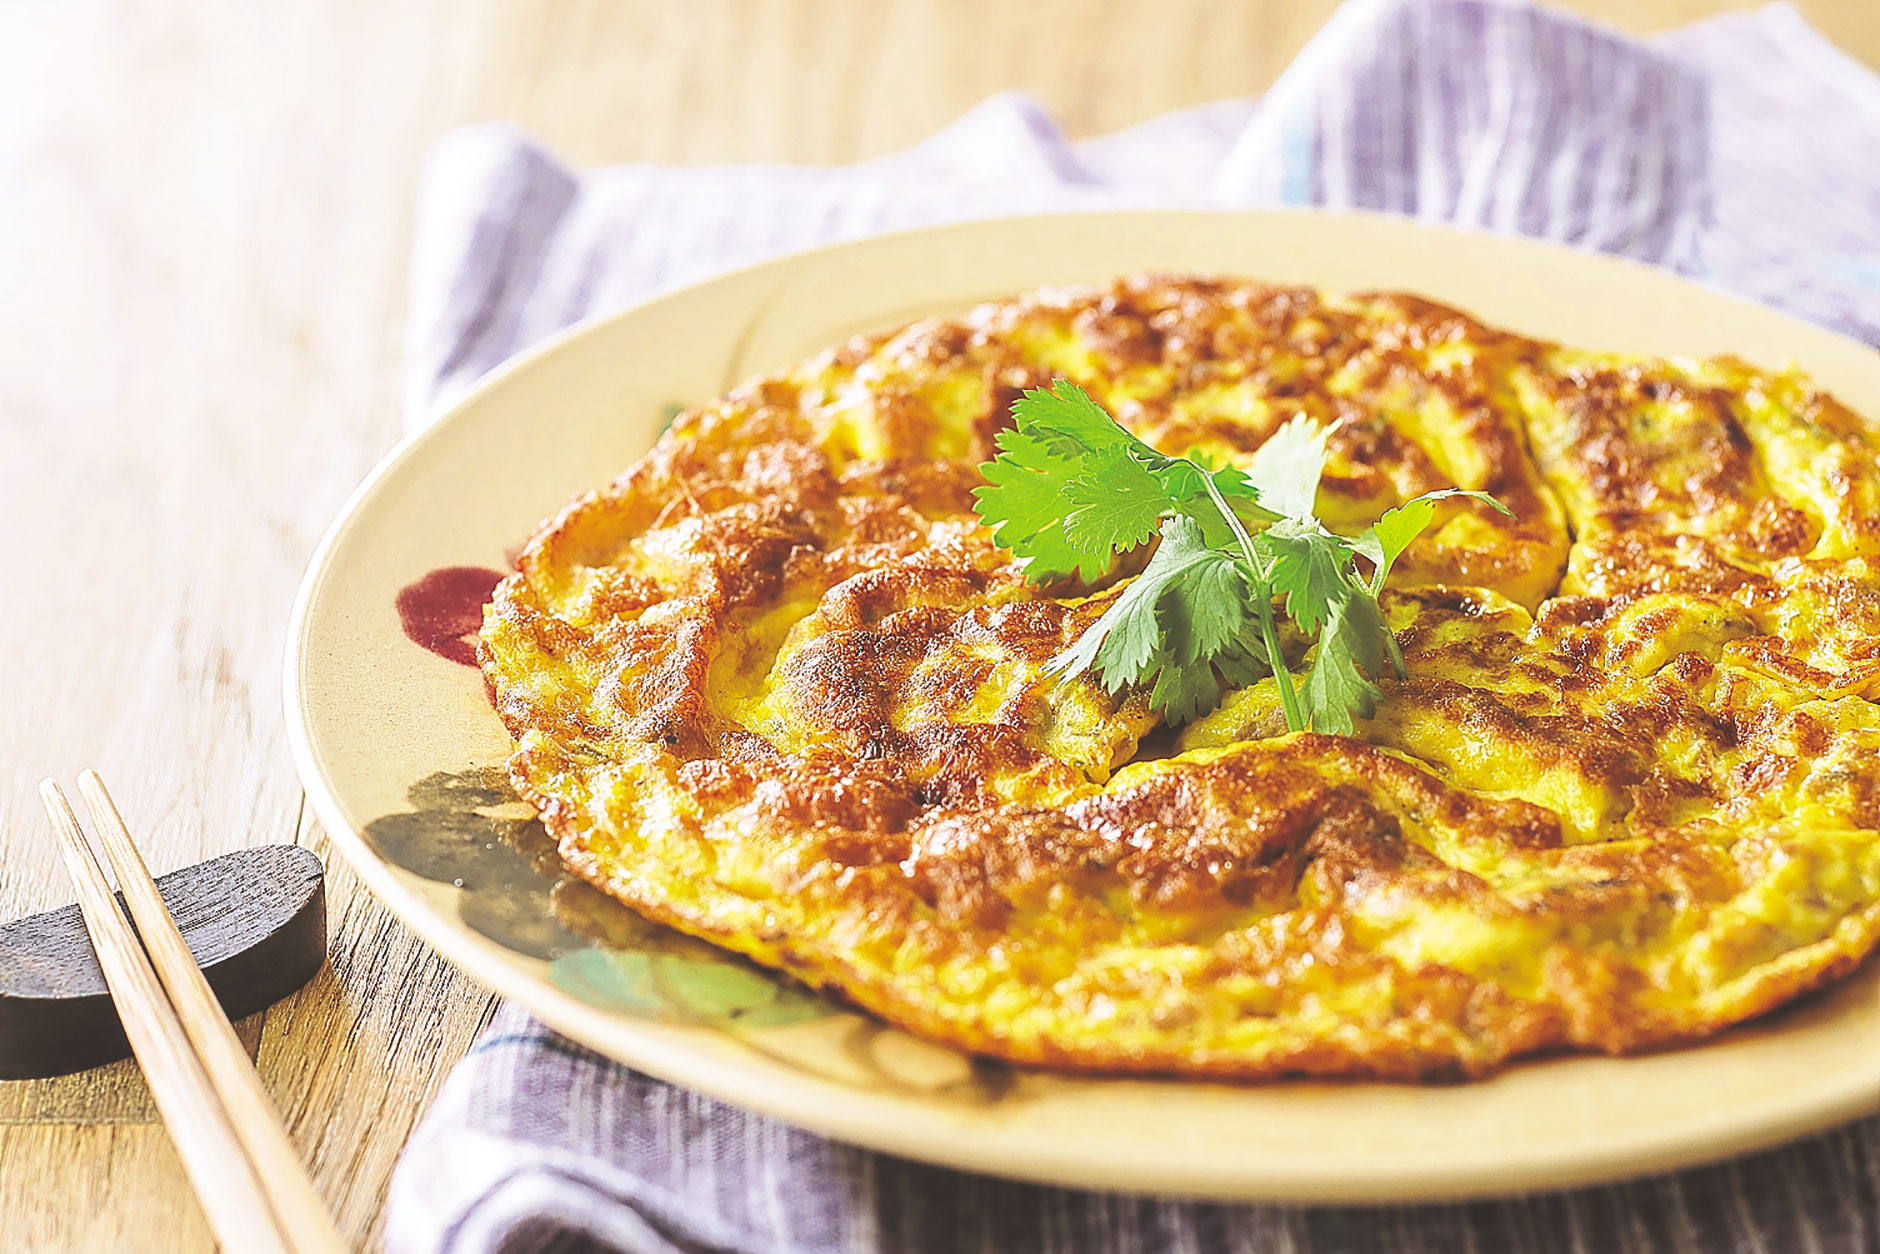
1744 151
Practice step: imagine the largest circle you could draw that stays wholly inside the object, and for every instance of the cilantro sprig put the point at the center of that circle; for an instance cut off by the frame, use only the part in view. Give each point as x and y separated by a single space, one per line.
1071 490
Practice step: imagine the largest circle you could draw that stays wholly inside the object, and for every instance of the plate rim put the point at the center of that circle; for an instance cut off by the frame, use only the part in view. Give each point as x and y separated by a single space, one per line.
484 961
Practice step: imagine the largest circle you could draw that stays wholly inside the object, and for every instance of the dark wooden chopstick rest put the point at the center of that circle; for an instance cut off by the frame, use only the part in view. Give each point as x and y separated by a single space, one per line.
255 920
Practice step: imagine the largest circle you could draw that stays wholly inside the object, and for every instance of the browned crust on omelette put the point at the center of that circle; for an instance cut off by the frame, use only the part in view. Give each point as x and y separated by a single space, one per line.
775 687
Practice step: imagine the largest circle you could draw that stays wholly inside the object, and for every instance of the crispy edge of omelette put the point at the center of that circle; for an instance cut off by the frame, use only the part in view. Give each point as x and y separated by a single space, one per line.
1294 991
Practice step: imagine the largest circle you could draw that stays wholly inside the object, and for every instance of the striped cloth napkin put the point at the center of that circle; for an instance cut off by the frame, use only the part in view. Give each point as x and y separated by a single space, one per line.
1744 151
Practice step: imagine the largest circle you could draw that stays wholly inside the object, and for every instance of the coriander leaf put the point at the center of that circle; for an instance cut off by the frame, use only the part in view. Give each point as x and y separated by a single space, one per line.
1386 539
1307 565
1285 470
1188 604
1125 635
1130 634
1067 410
1210 614
1186 483
1185 693
1070 488
1368 636
1023 503
1183 480
1115 508
1242 666
1337 685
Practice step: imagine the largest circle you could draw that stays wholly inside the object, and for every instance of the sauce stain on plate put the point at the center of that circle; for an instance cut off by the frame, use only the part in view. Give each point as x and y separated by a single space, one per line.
443 610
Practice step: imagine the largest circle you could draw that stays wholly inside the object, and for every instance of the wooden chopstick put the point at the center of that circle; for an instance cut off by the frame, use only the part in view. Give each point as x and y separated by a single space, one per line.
303 1217
217 1166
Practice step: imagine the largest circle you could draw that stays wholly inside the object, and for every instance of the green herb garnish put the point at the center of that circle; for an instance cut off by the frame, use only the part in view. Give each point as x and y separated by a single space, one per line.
1071 490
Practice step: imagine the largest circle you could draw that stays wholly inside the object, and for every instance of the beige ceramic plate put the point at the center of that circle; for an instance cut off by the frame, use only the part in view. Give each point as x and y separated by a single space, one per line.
397 745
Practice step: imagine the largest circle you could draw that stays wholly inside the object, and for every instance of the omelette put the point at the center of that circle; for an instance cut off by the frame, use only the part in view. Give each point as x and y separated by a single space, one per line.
777 687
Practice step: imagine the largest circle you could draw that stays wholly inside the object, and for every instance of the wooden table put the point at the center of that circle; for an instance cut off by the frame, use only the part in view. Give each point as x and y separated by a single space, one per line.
206 214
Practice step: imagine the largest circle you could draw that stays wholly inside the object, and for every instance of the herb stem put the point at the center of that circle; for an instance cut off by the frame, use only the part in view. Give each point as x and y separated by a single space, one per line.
1263 605
1288 695
1396 653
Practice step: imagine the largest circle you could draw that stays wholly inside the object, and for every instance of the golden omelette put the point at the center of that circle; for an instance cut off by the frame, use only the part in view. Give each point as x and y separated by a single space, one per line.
776 687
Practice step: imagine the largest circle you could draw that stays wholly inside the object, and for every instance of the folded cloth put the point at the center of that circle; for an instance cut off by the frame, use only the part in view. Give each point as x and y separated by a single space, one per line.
1743 151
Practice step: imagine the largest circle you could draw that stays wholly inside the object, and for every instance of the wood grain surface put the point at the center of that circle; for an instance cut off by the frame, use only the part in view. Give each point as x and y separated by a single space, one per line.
204 216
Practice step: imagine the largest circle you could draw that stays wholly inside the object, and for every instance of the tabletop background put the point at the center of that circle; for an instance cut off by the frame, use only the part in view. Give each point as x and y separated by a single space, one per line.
205 211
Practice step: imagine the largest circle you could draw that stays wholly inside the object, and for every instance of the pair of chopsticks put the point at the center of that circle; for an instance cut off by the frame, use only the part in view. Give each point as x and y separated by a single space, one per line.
251 1185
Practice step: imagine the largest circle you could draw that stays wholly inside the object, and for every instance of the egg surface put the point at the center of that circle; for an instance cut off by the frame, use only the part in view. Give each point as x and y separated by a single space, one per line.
776 687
